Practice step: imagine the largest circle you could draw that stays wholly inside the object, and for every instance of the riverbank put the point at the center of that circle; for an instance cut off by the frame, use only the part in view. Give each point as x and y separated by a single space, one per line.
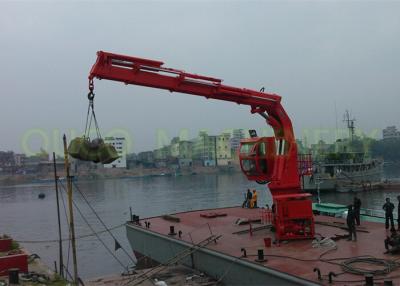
17 264
117 173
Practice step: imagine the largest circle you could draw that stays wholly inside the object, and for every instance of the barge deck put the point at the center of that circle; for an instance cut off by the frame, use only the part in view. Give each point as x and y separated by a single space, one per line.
216 246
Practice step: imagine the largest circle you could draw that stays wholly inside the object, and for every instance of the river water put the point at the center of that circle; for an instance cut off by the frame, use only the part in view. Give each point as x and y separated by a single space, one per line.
28 218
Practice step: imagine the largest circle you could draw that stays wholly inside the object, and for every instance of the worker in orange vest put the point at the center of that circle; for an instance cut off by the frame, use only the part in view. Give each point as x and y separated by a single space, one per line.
253 203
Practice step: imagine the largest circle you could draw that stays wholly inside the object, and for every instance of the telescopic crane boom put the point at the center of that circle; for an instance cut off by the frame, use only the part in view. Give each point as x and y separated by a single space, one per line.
270 160
276 163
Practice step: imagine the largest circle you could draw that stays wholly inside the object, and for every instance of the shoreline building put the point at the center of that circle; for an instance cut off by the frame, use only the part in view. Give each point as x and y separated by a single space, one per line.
237 135
146 159
224 151
204 149
161 156
119 144
390 132
182 151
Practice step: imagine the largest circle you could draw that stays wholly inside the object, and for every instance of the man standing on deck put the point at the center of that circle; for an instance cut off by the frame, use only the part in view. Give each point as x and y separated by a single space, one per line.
357 207
247 199
351 223
389 207
398 213
254 200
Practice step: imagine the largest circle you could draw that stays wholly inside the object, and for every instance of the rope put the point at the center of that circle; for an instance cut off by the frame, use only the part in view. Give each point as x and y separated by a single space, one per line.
93 231
87 120
96 123
69 231
228 269
91 117
175 259
68 239
387 266
348 265
102 222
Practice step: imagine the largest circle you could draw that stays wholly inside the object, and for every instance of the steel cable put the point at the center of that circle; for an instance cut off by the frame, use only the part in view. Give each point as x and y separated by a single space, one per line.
68 239
94 232
386 265
102 222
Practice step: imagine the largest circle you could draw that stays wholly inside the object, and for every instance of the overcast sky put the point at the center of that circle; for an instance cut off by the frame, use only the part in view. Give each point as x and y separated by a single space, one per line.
314 54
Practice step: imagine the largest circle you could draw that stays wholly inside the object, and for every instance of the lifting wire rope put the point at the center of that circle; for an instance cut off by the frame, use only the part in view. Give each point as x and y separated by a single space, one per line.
96 234
91 115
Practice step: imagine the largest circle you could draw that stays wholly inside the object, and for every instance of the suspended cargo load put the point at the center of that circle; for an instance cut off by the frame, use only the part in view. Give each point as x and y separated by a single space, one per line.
75 147
107 153
82 148
96 151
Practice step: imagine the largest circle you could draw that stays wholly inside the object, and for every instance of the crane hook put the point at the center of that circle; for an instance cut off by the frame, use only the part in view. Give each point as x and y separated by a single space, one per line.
90 95
91 88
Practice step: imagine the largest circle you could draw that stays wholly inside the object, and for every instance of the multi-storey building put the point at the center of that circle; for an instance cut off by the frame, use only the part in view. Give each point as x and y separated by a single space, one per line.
7 161
161 156
146 159
119 144
237 135
20 160
223 148
204 149
185 153
390 132
174 147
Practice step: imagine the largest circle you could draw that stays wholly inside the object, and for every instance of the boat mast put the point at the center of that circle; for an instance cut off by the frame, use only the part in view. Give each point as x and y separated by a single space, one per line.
350 124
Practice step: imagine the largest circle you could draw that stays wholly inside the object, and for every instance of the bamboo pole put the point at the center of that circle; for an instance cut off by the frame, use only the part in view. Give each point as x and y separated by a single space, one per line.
61 262
71 213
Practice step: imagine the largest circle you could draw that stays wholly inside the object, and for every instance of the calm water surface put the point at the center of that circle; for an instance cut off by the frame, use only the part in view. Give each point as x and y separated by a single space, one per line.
26 217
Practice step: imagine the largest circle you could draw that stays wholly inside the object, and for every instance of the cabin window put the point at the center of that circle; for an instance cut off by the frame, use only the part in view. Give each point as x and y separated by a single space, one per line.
262 152
246 148
249 166
283 147
262 149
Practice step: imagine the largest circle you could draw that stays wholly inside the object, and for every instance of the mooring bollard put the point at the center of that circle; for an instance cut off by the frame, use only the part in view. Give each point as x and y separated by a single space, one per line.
260 256
387 283
171 230
369 280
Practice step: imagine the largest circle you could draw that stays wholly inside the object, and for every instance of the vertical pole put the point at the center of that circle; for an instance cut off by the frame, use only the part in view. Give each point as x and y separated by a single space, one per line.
61 263
215 151
71 213
318 190
209 228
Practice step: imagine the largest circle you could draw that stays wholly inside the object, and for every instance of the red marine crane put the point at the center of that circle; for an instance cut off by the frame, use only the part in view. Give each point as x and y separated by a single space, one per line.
270 160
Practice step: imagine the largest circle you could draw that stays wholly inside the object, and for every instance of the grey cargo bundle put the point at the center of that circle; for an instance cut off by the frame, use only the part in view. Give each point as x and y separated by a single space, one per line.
94 151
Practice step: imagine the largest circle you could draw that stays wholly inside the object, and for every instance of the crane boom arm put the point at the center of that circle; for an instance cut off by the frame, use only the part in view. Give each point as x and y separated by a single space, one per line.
151 73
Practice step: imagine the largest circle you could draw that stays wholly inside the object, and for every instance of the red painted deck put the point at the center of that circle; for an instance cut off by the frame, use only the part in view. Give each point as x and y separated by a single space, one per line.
296 257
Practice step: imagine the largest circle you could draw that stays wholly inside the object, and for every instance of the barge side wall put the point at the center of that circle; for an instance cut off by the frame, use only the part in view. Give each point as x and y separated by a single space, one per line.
234 271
